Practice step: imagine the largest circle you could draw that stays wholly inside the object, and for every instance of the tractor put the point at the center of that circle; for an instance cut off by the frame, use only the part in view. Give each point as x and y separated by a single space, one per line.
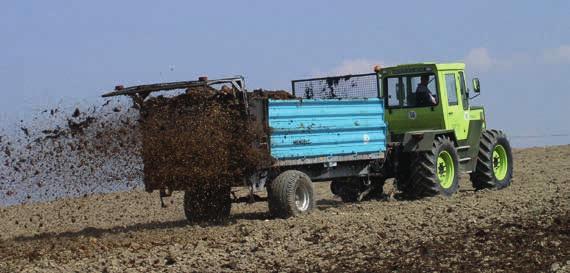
432 140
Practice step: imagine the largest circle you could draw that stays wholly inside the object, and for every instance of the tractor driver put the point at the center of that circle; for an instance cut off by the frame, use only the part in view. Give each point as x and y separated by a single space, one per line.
423 94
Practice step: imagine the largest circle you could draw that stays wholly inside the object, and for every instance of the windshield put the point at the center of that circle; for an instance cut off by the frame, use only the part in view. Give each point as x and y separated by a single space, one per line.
411 91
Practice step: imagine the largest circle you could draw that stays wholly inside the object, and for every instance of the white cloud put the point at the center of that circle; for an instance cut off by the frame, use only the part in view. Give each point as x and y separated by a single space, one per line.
560 54
479 59
355 66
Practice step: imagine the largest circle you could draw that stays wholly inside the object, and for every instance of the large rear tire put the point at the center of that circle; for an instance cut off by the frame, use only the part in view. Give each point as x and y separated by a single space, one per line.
208 204
431 173
494 168
291 194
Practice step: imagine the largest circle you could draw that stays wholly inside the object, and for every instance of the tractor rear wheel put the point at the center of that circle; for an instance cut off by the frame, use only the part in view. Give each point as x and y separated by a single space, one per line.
208 203
432 172
494 168
291 194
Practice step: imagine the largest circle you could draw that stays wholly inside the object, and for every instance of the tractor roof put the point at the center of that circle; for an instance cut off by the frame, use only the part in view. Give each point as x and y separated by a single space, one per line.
416 67
450 66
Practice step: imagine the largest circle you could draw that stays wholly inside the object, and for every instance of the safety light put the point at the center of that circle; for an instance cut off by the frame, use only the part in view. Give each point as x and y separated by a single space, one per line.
377 68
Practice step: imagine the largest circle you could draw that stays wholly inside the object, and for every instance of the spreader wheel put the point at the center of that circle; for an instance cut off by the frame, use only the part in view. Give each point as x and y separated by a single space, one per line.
290 194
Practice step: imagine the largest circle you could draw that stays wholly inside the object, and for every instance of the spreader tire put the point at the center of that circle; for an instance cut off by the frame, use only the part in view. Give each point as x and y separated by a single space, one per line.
290 194
494 168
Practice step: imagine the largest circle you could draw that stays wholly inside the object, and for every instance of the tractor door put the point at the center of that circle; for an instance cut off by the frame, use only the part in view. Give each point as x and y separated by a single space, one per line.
405 111
455 116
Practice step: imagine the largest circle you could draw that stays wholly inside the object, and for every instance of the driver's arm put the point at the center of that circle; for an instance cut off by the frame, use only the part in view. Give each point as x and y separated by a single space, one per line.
432 98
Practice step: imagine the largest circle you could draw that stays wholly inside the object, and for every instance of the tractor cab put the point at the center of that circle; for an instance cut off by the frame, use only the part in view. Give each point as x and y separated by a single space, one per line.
427 96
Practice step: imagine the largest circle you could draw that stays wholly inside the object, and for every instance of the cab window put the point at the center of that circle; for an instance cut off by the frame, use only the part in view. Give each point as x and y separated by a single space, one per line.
451 89
411 91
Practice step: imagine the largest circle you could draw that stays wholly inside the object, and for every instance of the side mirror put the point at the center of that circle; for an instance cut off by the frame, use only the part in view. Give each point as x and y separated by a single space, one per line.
476 86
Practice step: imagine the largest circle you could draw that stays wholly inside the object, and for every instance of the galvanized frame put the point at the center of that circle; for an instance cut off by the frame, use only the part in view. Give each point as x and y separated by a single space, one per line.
237 82
140 92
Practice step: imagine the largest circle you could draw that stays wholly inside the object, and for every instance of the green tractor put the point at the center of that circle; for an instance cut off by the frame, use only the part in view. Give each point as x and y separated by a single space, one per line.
433 133
436 134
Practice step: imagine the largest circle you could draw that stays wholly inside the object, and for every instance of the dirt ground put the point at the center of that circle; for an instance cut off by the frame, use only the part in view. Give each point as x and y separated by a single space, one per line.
524 228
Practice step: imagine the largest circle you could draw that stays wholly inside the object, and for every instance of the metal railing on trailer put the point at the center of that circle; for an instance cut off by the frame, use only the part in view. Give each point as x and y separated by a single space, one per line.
139 93
346 86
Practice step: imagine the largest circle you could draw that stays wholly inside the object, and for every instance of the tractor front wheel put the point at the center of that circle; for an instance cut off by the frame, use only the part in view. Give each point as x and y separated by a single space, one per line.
494 168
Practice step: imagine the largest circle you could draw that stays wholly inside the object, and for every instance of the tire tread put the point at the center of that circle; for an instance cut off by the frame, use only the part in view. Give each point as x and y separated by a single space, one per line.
483 176
281 193
422 178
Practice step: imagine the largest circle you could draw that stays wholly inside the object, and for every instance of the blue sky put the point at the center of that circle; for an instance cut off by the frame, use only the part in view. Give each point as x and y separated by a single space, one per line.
69 51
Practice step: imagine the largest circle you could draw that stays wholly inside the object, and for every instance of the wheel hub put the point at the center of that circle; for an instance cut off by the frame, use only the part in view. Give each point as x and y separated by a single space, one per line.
445 170
500 162
302 198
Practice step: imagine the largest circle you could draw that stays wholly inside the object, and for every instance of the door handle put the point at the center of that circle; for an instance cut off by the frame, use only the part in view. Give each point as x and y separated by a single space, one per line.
450 113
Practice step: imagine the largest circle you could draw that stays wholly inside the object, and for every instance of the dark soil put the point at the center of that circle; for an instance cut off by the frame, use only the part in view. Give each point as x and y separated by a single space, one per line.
512 247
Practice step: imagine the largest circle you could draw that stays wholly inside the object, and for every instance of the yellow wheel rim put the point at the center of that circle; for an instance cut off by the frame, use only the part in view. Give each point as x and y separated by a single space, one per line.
500 162
445 170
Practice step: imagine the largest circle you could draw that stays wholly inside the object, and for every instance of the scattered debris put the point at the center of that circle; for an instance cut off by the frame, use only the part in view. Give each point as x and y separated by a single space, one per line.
99 148
76 113
72 154
78 127
26 131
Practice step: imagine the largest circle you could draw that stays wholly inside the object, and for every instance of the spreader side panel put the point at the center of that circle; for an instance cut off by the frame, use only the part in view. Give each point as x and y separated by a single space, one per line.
310 128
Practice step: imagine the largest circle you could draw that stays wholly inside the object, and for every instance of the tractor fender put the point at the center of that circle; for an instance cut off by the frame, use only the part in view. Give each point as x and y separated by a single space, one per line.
419 141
